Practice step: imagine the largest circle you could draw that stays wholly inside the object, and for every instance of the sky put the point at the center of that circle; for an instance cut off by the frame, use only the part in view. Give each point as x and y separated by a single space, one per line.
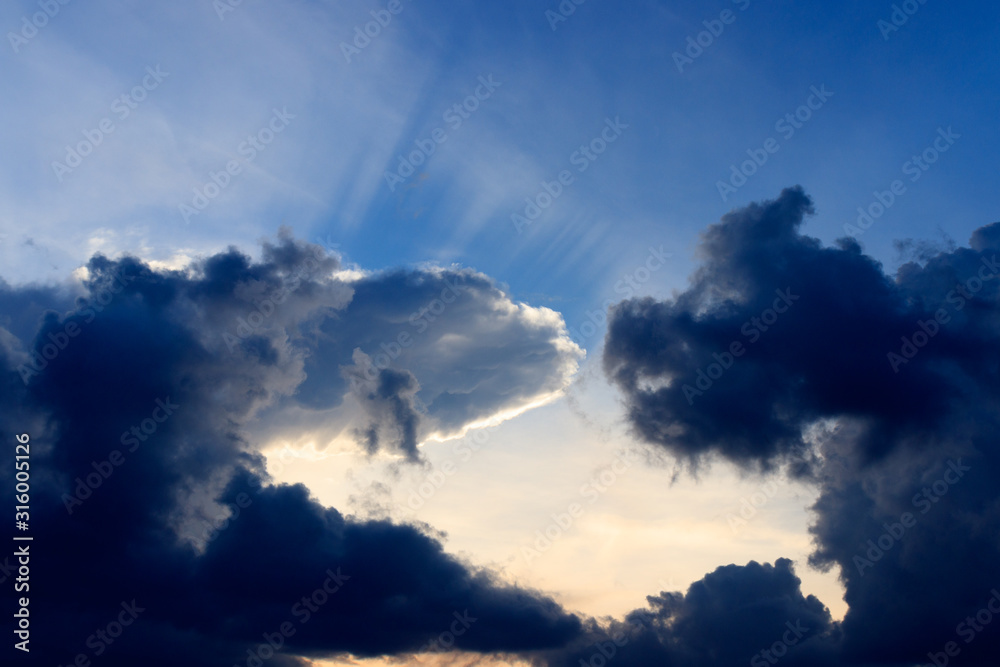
555 333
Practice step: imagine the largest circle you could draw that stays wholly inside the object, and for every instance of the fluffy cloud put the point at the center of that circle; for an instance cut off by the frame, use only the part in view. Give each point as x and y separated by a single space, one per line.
730 617
777 332
141 402
886 385
427 353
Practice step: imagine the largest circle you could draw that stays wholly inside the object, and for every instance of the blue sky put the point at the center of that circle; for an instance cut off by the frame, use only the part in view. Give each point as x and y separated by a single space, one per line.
324 175
170 132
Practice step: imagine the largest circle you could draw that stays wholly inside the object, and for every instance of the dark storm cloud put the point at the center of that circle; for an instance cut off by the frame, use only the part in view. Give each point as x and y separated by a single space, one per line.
889 382
142 427
737 615
914 537
776 332
19 307
900 429
438 349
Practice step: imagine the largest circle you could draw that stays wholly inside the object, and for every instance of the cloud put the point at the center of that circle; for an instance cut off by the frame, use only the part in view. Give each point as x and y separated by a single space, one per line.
145 428
777 332
389 401
730 617
887 385
393 358
914 538
435 349
147 488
